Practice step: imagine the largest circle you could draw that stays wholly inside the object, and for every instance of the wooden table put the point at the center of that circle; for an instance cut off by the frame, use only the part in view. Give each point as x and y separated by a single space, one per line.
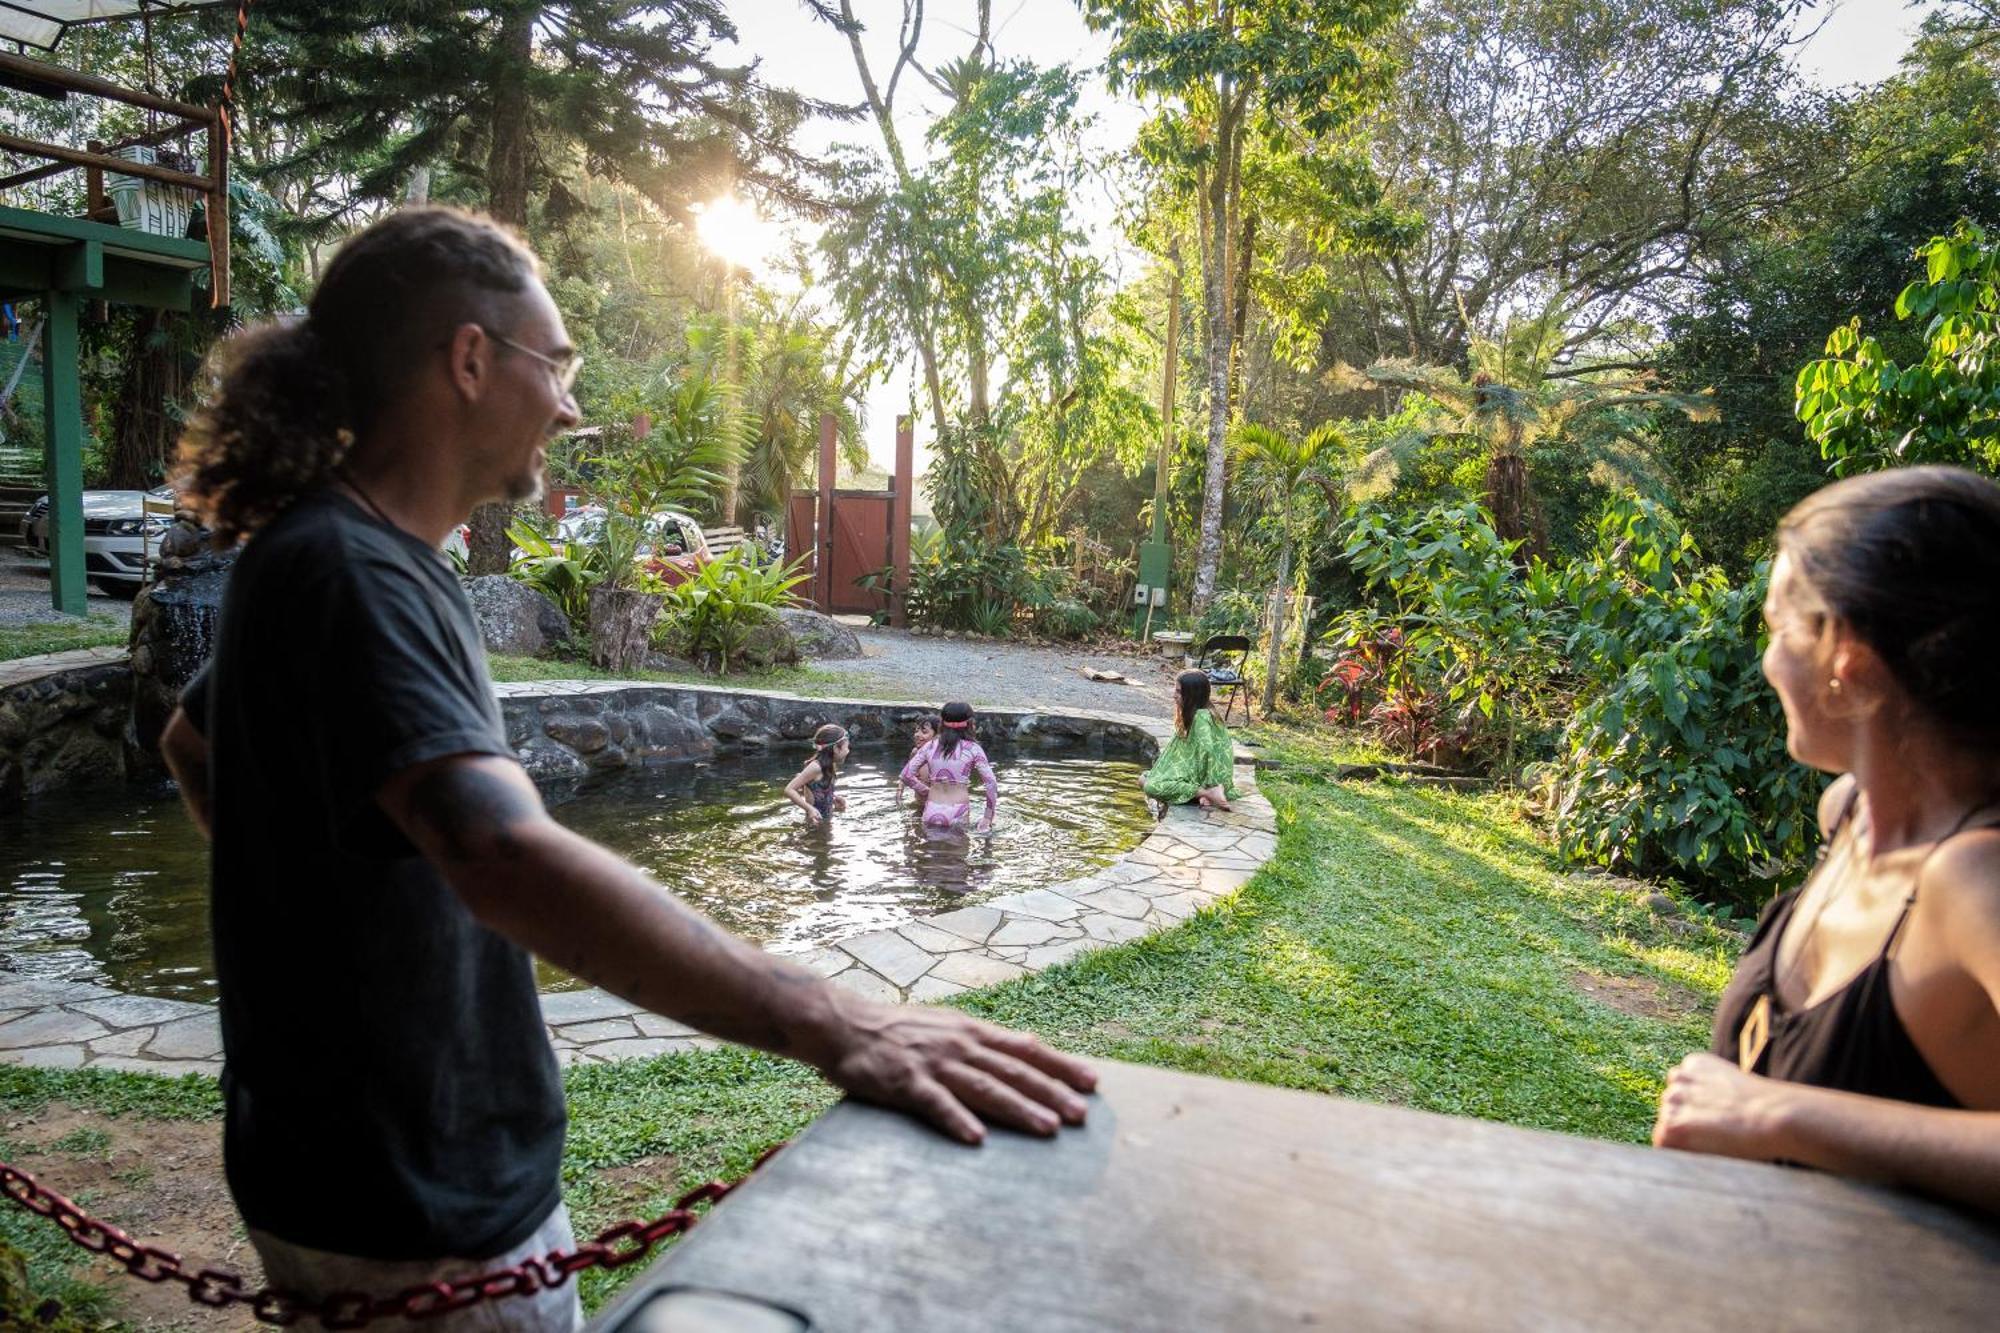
1192 1203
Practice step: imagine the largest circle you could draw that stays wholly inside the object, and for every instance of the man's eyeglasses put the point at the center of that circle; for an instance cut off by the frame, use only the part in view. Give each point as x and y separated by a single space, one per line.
565 367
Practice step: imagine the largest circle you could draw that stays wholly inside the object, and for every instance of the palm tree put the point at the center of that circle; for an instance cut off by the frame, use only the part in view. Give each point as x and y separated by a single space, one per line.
1511 398
1289 477
792 376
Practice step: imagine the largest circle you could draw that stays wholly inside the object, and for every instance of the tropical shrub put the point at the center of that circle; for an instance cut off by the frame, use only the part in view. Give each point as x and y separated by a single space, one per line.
1675 757
1480 636
564 572
711 615
1230 611
1866 411
1633 671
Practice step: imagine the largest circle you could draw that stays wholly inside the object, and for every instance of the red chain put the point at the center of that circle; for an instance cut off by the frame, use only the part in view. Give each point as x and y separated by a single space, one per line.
613 1247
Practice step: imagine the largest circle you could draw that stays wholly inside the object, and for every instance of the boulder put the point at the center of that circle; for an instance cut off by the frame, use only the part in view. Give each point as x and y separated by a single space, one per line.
514 619
770 644
819 636
173 631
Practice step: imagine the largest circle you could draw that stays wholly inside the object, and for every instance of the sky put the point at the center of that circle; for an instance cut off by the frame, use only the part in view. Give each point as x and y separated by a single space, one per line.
1856 42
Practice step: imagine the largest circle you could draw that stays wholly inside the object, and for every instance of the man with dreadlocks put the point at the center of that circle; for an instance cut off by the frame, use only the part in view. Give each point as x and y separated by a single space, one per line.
383 866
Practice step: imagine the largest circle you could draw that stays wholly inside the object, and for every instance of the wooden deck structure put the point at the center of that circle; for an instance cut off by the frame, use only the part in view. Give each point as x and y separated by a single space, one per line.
63 262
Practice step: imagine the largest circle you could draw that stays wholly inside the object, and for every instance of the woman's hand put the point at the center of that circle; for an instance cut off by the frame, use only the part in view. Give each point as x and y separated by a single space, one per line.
1711 1106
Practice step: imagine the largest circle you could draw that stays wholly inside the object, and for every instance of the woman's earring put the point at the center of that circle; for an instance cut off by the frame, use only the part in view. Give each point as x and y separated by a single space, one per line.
1833 683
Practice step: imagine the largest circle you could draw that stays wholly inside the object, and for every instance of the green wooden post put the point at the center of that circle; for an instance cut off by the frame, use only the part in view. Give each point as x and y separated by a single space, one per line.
62 405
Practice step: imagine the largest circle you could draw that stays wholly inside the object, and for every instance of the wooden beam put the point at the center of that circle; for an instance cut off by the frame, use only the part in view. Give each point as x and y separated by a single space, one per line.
829 433
47 228
61 76
27 272
900 512
82 158
78 267
154 139
215 217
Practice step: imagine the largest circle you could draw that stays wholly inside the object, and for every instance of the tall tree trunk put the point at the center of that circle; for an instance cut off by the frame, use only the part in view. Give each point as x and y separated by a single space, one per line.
885 121
1215 301
1275 654
143 427
489 551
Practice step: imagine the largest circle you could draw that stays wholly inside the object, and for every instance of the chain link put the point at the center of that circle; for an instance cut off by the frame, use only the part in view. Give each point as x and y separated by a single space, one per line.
614 1247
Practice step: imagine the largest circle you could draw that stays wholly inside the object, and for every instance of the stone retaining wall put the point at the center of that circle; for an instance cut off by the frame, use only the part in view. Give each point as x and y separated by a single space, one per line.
65 727
564 730
568 730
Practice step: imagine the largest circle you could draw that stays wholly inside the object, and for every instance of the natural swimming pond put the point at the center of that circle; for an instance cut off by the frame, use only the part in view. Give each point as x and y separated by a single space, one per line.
112 888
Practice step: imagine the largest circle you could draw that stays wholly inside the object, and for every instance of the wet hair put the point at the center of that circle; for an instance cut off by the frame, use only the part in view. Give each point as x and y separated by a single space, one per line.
1190 697
287 399
1909 559
825 741
954 725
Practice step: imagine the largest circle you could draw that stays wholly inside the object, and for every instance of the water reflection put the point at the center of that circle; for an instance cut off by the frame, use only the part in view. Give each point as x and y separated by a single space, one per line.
113 887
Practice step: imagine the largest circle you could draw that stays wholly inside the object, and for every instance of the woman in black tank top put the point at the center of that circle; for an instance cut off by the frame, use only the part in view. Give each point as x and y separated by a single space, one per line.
1861 1030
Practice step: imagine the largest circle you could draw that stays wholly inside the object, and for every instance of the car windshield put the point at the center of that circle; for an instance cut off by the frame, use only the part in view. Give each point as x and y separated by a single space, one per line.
665 528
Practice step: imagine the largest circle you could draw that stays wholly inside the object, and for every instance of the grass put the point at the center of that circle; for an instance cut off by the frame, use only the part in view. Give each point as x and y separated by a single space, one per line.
59 636
1407 944
810 681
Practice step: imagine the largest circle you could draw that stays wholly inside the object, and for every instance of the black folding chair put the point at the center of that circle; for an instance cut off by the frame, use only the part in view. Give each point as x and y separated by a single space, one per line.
1222 658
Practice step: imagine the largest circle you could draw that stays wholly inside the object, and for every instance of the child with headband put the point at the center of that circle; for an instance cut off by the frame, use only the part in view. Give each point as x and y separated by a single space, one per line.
952 759
812 790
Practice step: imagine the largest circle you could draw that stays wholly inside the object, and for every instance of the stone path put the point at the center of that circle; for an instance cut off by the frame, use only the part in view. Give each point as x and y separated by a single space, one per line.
1191 858
21 670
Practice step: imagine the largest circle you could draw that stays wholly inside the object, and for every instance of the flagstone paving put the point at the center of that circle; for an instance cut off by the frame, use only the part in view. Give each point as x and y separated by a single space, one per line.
1192 858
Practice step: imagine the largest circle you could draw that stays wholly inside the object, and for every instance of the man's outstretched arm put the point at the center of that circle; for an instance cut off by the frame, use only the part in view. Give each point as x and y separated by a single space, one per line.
480 821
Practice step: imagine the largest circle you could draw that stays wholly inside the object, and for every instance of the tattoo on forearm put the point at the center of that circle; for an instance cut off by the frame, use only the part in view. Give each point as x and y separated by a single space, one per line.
472 812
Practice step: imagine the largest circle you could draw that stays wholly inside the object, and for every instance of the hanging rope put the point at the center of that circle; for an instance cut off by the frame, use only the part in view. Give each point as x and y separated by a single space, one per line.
228 111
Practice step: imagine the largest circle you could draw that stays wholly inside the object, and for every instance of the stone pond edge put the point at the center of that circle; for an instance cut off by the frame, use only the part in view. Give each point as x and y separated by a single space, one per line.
566 729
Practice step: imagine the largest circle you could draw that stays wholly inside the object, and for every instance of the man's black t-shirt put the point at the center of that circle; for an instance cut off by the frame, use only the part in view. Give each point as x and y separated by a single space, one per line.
391 1091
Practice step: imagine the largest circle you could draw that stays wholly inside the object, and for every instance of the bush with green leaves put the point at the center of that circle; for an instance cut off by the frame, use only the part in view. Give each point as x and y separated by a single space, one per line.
712 615
1480 635
1674 760
1230 611
1866 411
562 571
1632 671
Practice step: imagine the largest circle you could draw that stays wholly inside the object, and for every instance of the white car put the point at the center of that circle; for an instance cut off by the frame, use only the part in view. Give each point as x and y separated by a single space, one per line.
119 533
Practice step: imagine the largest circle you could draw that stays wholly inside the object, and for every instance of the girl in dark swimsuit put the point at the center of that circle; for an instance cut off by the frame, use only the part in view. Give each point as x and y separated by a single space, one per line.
1861 1030
812 790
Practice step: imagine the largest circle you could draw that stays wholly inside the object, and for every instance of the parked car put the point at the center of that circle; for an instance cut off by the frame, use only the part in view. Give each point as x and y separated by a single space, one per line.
119 536
674 546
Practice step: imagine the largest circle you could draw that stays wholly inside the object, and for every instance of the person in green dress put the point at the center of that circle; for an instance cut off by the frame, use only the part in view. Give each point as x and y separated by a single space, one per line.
1198 764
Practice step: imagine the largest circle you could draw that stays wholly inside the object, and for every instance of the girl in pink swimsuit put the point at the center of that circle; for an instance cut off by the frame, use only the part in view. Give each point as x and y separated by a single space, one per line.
952 760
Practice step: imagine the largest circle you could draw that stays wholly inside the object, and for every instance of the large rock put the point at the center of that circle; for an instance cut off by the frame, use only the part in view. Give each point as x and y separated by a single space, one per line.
173 631
770 643
514 619
819 636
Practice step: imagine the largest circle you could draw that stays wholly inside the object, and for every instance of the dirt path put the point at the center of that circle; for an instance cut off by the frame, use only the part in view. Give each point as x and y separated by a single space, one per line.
997 673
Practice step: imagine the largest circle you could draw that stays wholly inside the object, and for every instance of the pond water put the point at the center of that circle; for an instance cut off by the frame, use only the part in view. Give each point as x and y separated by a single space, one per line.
112 888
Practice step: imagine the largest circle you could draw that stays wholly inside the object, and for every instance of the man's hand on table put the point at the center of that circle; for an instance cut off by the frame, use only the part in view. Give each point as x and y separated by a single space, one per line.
951 1069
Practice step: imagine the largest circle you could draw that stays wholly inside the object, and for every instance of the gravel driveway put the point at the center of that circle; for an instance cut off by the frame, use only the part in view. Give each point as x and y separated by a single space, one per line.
982 671
24 592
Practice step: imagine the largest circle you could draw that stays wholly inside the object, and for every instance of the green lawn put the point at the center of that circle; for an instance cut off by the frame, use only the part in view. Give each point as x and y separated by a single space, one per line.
60 636
1407 945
